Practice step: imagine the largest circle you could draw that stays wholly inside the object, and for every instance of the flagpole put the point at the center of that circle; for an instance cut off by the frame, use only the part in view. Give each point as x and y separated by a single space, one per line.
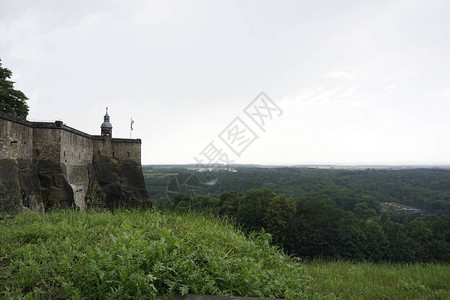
131 126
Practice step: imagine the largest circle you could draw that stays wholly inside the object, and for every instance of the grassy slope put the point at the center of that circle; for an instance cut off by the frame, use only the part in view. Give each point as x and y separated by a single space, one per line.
139 255
346 280
149 254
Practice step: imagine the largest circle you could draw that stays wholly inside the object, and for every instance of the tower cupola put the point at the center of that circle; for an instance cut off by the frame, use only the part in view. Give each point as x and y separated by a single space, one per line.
106 126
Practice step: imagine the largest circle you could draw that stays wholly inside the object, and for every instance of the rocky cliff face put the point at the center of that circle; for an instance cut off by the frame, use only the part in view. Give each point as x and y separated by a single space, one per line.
56 191
19 180
121 182
19 187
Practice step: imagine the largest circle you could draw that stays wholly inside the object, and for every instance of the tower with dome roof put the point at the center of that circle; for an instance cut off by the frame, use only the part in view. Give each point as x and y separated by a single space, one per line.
106 126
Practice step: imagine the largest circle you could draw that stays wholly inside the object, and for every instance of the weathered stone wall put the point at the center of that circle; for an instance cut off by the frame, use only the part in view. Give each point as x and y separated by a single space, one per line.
56 191
127 149
128 153
117 163
51 165
16 138
19 182
76 159
64 159
46 142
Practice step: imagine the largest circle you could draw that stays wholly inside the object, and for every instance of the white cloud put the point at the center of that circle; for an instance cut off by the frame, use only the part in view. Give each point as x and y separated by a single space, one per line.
341 75
403 75
390 88
321 96
445 93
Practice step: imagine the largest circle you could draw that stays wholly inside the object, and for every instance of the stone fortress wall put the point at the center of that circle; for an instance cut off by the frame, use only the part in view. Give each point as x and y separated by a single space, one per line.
19 182
76 158
16 138
46 165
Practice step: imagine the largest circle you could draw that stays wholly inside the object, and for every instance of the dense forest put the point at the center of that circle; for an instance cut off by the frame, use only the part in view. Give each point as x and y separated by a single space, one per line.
331 213
426 189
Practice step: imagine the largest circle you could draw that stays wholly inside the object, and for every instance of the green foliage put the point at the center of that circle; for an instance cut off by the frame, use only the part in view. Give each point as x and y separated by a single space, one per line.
314 228
322 230
336 213
11 100
346 280
363 212
204 202
229 202
95 198
184 202
251 209
426 189
279 212
139 255
400 247
375 241
181 201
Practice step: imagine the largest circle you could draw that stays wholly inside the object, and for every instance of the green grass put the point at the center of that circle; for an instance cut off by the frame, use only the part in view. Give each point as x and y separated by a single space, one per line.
346 280
147 255
139 255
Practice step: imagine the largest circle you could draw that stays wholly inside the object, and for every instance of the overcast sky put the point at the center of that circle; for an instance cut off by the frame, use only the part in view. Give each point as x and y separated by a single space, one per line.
358 82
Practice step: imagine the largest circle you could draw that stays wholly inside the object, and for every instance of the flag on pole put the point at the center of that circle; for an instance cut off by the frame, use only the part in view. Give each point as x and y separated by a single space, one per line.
131 125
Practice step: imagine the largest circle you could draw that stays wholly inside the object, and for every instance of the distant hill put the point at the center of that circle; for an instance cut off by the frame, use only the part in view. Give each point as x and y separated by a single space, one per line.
427 189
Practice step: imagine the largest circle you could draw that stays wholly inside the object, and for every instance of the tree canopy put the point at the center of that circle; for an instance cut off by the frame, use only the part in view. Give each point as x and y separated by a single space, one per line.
317 228
11 100
426 189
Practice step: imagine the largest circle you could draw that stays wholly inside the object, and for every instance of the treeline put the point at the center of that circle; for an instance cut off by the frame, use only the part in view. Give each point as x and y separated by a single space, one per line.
317 228
426 189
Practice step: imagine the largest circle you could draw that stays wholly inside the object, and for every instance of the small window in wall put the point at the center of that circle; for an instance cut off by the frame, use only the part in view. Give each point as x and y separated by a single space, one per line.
113 154
128 154
64 153
98 152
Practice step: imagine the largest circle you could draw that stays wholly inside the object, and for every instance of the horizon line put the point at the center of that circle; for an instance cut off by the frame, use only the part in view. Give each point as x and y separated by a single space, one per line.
309 165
